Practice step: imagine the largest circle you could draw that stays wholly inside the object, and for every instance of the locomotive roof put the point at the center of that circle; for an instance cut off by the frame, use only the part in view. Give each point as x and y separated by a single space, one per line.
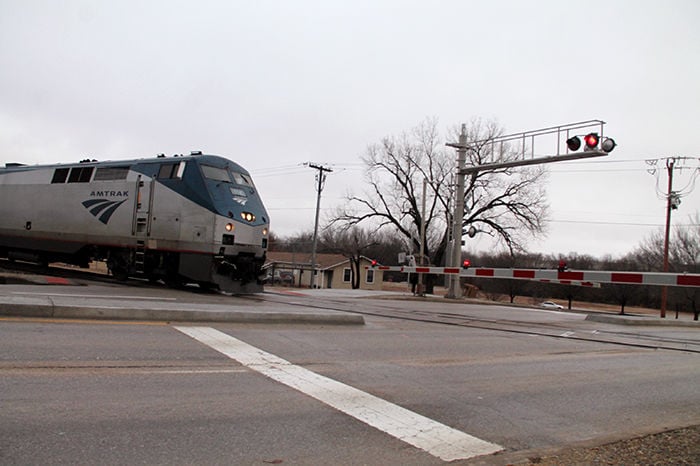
207 158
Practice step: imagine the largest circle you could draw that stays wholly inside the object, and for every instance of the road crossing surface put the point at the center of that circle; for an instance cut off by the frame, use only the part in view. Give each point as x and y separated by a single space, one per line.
419 383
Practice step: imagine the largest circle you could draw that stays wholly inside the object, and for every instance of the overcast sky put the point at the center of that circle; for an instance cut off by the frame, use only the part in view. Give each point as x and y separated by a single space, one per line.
273 84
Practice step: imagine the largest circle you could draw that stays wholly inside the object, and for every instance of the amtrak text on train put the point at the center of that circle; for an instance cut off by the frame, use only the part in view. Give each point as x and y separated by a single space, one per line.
109 193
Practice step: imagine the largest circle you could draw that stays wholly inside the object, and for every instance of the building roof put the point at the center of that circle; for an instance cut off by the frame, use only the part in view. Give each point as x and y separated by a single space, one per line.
302 260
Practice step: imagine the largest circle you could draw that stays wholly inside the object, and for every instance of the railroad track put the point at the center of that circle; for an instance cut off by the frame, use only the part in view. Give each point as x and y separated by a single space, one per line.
450 314
583 331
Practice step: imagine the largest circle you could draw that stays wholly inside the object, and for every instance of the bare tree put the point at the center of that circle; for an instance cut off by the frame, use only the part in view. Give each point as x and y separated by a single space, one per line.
683 251
684 256
352 243
686 250
508 204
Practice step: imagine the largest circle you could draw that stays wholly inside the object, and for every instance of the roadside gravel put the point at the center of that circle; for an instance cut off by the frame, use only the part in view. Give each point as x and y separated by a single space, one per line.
675 447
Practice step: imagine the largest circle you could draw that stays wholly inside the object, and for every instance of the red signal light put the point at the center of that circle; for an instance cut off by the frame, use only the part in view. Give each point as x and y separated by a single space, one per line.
591 140
374 262
466 263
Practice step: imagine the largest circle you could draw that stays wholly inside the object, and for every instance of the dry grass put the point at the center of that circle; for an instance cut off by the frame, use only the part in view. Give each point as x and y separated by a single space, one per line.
529 301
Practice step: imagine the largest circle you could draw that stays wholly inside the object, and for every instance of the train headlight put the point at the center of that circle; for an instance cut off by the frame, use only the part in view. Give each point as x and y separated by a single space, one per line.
230 227
247 216
264 231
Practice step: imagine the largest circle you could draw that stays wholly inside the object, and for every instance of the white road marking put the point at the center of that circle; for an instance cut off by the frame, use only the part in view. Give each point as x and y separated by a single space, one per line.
431 436
66 295
567 334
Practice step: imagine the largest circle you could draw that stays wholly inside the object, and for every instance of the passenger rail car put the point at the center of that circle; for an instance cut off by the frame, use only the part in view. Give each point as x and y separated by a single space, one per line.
196 218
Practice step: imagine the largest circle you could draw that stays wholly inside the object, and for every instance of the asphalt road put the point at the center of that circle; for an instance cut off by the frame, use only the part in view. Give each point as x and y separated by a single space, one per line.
106 392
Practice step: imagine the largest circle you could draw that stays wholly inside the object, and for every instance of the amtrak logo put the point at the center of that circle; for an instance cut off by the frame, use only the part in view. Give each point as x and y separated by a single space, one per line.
102 209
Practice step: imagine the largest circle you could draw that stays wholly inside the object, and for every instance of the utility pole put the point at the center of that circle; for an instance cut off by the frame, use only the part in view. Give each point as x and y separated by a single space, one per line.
320 178
670 162
673 200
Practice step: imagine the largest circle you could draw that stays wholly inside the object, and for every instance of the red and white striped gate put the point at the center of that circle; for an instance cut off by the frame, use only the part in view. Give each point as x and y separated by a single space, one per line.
569 277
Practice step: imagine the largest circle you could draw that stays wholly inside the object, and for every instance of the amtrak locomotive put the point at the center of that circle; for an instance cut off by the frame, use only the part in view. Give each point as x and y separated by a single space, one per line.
182 219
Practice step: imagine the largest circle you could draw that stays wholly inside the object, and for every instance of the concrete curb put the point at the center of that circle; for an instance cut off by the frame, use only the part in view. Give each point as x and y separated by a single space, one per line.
113 313
646 321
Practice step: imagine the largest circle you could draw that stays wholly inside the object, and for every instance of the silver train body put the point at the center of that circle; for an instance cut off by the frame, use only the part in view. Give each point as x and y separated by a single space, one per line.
182 219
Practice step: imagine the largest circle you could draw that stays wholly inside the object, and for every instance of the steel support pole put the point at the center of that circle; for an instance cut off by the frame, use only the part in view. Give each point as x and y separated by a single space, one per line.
421 285
455 291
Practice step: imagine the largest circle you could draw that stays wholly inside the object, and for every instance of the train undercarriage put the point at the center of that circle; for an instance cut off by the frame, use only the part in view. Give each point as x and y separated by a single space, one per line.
240 274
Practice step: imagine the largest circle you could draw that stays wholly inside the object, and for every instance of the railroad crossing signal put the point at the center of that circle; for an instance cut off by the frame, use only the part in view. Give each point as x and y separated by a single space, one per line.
471 232
526 141
591 140
562 266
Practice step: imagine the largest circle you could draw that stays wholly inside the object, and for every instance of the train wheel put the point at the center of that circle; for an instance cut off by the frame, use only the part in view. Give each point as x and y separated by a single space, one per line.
174 281
118 267
207 286
119 273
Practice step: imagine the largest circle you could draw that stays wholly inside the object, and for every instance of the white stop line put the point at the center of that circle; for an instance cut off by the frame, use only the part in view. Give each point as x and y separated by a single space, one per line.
433 437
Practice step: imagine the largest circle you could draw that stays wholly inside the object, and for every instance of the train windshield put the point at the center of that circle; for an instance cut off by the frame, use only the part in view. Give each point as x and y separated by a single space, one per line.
240 178
216 174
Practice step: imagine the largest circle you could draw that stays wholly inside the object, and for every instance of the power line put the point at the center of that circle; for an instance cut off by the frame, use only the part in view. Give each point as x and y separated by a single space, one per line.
288 170
635 224
277 168
603 162
277 171
601 165
600 170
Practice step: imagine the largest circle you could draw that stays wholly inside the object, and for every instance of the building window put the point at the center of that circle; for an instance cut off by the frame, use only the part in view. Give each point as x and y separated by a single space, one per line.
370 276
347 275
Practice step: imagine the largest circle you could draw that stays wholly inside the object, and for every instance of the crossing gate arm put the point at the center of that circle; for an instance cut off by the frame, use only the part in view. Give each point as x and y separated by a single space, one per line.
572 277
